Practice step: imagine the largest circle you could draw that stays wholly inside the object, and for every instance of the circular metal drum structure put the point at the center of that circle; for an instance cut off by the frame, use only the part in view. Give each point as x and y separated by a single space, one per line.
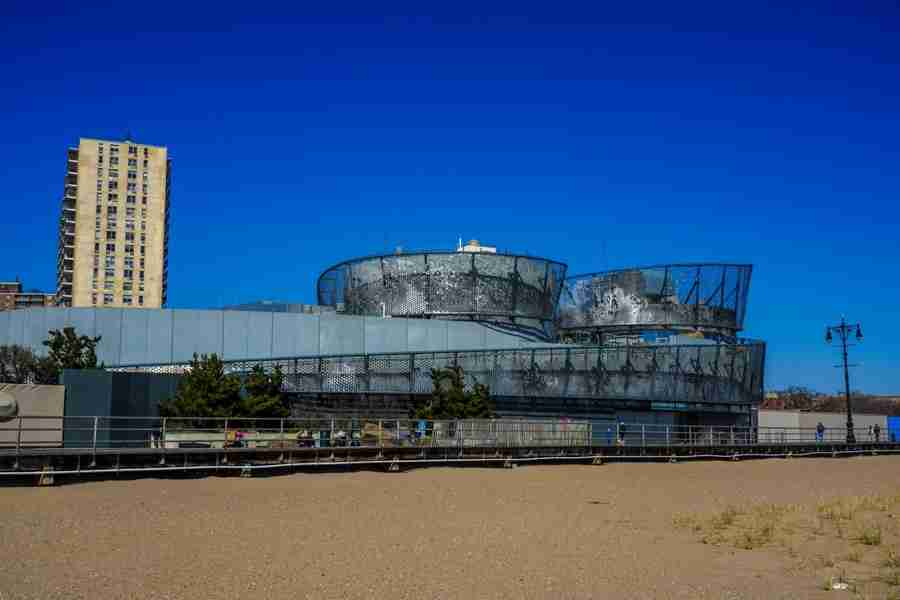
483 286
709 298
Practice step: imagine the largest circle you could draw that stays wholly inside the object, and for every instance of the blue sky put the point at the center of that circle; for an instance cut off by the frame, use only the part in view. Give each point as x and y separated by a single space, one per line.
603 137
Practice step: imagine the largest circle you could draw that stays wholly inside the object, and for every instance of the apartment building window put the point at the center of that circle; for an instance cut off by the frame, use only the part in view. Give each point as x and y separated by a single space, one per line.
142 263
109 273
113 175
110 248
132 150
143 238
112 198
129 262
130 199
97 235
113 185
145 164
110 235
94 299
96 247
129 249
129 212
96 275
100 158
113 149
142 250
141 286
141 275
110 262
132 187
143 225
96 263
126 286
129 226
145 175
113 160
128 275
146 189
99 171
146 152
99 186
129 237
132 174
144 200
108 285
132 162
141 300
107 298
111 210
126 300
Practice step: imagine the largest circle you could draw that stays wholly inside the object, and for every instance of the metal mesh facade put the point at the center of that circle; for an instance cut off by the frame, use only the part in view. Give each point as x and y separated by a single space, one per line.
708 297
450 285
674 377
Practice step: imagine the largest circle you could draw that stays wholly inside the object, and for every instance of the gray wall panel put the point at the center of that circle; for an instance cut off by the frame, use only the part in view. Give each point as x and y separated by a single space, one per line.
259 334
159 335
134 337
109 327
462 335
308 334
386 335
196 331
498 338
143 336
35 328
4 326
82 319
285 331
427 335
17 329
236 331
341 335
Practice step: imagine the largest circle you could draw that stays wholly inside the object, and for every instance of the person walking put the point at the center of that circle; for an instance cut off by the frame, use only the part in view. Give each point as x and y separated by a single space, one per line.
820 432
877 431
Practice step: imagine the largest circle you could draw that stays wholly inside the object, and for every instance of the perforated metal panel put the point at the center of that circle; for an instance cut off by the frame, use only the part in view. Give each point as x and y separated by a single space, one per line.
701 296
492 287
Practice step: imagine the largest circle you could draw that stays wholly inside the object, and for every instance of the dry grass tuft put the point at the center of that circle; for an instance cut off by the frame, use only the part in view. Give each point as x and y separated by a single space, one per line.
870 535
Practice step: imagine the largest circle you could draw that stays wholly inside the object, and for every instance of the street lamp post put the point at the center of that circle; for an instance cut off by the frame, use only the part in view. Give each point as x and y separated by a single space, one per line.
844 330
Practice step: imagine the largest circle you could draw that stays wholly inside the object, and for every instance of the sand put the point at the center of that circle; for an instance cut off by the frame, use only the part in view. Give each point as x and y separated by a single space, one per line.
532 532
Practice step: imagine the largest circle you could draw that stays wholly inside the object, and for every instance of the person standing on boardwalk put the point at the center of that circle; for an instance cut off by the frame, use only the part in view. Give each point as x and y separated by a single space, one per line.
820 432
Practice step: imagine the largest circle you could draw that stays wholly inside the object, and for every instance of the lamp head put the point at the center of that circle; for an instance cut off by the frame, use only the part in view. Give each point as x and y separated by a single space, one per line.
859 335
827 336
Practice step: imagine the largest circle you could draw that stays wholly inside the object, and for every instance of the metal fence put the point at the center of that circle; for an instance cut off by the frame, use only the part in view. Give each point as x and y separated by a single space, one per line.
94 432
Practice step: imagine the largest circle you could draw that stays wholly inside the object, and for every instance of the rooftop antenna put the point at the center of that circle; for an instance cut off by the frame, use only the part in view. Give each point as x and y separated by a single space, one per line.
459 245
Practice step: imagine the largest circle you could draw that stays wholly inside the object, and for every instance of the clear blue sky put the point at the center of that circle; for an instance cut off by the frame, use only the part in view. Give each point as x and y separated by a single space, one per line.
670 132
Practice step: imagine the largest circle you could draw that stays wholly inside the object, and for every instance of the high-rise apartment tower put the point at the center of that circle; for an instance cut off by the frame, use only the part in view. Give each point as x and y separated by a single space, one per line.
114 229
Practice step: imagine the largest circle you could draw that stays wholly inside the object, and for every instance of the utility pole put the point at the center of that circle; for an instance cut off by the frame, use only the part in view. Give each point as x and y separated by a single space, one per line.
844 330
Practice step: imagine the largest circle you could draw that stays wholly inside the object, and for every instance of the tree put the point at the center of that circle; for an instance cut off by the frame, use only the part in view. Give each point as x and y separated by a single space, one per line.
68 350
263 397
17 364
206 390
20 365
450 400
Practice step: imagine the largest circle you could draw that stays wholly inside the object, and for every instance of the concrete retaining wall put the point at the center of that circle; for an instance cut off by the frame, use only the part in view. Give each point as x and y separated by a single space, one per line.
34 401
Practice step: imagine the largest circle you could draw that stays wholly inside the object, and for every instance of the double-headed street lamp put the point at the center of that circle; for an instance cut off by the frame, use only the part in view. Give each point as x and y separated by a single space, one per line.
844 330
